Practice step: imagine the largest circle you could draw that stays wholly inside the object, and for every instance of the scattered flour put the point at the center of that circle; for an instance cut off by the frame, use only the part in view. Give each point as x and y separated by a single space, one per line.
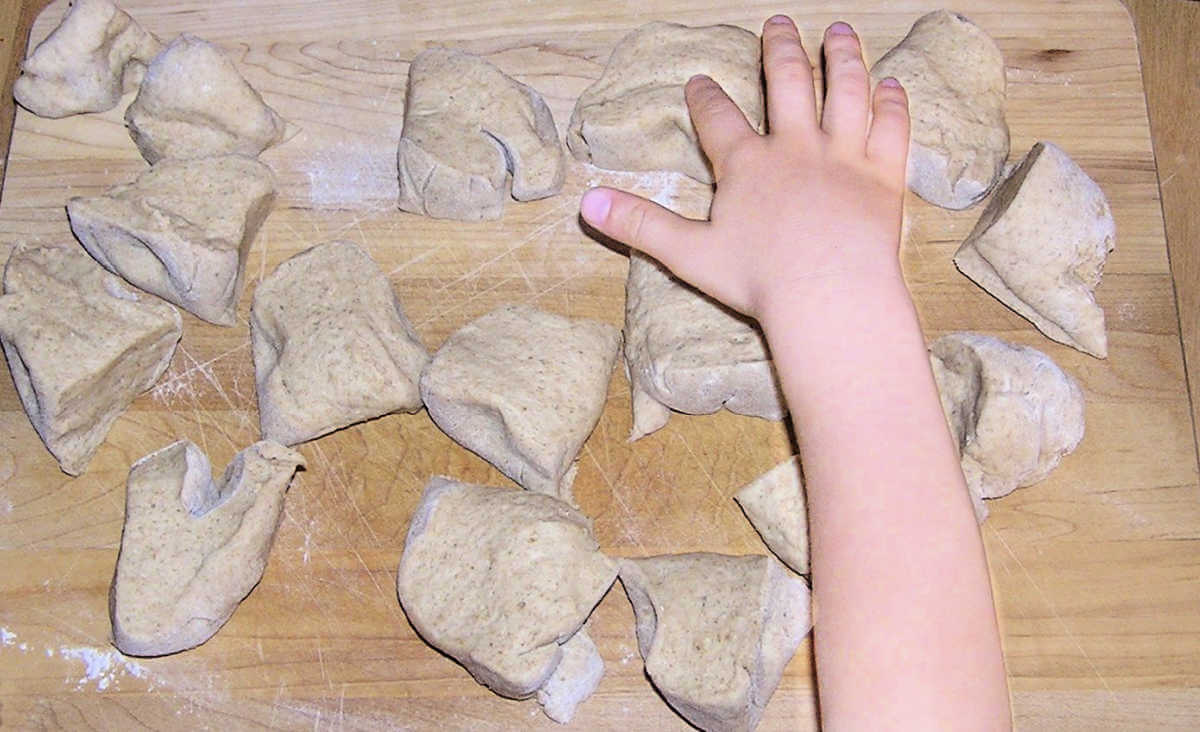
7 637
103 667
6 507
352 174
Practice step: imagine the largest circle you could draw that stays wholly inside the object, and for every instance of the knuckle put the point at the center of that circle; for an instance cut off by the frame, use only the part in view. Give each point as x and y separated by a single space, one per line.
636 224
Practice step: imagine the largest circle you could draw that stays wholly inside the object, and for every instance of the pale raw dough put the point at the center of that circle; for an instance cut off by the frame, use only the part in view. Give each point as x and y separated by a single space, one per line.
1040 248
467 127
523 389
80 347
953 73
634 116
95 55
575 679
182 230
686 352
500 579
716 632
774 502
193 103
1014 412
332 346
192 547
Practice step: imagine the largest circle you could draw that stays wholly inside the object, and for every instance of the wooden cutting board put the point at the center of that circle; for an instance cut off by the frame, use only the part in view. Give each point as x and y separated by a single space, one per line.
1095 570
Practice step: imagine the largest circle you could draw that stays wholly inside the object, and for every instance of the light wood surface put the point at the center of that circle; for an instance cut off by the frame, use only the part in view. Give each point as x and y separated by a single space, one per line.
1097 570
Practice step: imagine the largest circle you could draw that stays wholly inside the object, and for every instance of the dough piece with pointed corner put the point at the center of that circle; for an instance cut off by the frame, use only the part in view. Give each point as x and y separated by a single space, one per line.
688 353
473 135
1014 412
1040 246
575 679
193 548
954 75
95 55
193 103
80 347
500 579
181 231
716 632
634 116
774 502
523 389
332 346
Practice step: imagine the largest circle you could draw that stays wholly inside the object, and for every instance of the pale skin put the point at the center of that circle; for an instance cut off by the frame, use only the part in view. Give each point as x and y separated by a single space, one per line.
804 236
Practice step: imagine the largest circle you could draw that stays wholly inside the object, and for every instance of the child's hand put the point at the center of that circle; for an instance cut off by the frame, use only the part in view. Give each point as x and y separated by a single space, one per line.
811 207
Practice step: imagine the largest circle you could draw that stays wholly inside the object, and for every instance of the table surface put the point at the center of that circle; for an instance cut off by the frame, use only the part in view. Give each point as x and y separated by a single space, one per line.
1095 569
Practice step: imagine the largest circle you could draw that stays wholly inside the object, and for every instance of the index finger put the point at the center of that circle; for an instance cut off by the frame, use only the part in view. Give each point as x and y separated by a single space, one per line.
791 99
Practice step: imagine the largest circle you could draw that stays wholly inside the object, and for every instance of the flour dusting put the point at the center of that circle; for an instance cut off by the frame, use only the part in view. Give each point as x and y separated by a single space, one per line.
7 637
103 667
352 174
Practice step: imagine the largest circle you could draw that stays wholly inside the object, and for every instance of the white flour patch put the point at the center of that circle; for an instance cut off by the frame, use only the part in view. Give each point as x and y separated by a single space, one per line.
6 507
660 186
352 174
7 637
104 668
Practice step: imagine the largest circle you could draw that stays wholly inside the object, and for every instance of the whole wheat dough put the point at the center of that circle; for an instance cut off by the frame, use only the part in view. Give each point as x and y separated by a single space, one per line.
1040 248
1014 412
500 579
192 547
523 389
574 680
182 230
716 632
193 103
686 352
80 347
468 127
95 55
953 73
332 346
774 502
634 116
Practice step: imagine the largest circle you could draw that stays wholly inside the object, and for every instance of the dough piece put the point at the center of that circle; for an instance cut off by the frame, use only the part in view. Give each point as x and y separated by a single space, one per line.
80 347
1014 412
716 632
193 548
193 103
1040 248
499 580
331 345
686 352
954 75
958 391
467 126
95 55
523 389
182 230
575 679
634 116
775 504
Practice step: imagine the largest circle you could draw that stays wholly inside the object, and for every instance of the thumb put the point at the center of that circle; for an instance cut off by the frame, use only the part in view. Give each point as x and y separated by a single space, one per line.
642 224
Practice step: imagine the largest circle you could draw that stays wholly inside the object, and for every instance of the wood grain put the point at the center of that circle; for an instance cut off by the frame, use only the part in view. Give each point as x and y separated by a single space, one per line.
1096 569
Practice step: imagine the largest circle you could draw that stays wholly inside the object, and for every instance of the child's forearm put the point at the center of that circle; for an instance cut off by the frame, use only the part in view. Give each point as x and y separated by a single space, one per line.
905 628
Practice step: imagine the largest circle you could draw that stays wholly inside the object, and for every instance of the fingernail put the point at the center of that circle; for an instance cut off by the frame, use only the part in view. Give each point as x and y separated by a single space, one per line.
890 82
841 29
779 19
595 206
700 77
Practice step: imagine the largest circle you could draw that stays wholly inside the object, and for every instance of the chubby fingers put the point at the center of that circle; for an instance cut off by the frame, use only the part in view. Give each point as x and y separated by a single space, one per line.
847 88
642 224
719 123
791 100
887 140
